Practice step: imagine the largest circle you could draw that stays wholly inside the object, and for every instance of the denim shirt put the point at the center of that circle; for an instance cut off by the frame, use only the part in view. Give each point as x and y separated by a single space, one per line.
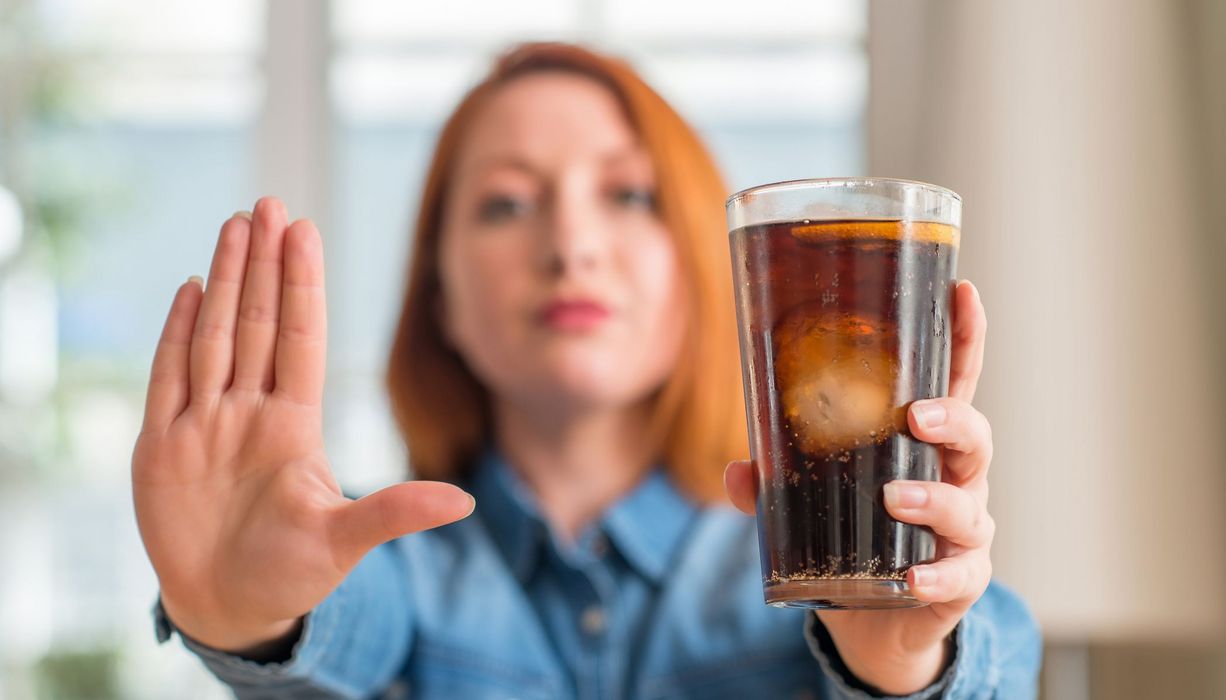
660 598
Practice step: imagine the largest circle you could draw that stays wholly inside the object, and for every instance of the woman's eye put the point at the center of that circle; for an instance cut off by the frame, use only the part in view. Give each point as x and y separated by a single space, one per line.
500 208
639 198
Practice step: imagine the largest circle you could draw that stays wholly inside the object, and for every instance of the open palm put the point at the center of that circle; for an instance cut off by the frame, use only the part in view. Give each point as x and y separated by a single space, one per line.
237 506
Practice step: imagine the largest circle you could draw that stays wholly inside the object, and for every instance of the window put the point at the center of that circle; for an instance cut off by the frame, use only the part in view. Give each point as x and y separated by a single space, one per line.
125 135
129 129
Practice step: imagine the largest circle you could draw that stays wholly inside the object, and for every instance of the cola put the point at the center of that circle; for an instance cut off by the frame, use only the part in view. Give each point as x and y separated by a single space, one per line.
843 324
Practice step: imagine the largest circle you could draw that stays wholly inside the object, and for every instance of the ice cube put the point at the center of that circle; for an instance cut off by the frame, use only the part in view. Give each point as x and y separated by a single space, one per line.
836 375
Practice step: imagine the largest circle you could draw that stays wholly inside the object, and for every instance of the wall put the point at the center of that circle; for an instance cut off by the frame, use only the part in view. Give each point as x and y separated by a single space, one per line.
1079 135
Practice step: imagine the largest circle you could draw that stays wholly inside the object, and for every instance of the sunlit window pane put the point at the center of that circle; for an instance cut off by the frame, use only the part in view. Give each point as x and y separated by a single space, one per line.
417 88
822 85
171 61
171 90
161 26
375 22
764 21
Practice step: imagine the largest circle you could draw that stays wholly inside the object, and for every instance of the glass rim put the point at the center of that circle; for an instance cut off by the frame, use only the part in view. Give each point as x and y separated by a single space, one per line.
817 182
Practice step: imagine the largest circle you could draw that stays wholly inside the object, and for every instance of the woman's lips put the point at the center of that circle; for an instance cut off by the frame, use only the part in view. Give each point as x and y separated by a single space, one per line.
573 315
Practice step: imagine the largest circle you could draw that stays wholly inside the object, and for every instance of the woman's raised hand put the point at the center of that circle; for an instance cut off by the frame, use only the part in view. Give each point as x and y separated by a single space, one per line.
236 503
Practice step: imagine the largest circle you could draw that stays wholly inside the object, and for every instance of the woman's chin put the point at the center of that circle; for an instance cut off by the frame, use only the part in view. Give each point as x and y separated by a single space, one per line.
565 378
589 388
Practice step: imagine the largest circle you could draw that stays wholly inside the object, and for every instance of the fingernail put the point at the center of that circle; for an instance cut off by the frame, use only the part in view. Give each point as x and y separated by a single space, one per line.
242 213
925 576
929 414
902 495
197 279
471 507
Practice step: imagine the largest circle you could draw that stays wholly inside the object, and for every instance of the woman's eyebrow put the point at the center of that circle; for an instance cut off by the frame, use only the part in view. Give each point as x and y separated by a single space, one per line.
635 154
502 162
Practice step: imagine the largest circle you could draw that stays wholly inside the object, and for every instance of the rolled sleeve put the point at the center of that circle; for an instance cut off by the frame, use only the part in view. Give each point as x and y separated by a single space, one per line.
843 684
352 644
997 650
1002 649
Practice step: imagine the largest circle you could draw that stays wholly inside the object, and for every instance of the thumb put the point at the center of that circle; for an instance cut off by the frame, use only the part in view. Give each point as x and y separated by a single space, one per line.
398 510
740 481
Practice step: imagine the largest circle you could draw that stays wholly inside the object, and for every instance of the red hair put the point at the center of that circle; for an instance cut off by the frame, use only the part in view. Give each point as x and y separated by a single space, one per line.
698 420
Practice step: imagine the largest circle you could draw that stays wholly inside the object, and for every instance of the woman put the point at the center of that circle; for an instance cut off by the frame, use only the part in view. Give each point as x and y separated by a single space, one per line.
566 353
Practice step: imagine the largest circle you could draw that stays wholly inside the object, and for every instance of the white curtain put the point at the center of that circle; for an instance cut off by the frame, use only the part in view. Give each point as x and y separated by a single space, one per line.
1086 140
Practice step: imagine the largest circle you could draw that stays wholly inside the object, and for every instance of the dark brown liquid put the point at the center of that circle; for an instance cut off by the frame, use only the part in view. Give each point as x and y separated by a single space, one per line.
843 325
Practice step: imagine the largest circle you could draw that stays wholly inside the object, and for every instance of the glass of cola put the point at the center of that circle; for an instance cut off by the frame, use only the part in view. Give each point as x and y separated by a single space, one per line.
843 296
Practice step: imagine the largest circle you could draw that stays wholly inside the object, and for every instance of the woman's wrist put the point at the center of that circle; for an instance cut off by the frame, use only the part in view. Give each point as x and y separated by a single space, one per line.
276 650
899 672
255 642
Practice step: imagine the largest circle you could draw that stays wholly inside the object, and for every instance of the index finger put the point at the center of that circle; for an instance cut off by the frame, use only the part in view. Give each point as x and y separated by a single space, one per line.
970 328
965 435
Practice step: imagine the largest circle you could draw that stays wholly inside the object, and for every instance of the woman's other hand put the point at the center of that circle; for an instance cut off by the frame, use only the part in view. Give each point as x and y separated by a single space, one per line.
903 651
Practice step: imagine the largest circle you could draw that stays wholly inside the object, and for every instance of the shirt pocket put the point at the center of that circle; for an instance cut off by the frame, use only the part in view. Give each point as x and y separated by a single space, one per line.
442 672
777 676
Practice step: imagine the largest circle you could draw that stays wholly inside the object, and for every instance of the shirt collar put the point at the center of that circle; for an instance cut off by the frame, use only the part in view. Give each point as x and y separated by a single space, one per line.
646 526
510 513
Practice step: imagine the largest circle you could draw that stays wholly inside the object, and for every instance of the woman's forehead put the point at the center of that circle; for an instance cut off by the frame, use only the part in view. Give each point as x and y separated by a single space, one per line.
543 120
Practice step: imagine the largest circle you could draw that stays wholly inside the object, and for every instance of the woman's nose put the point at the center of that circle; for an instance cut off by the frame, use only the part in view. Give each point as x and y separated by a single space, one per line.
573 238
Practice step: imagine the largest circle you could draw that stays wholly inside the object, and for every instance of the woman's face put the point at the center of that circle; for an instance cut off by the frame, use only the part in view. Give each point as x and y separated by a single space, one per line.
561 286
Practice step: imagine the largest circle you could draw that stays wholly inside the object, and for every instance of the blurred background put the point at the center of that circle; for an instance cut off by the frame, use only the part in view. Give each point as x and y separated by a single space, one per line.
1087 139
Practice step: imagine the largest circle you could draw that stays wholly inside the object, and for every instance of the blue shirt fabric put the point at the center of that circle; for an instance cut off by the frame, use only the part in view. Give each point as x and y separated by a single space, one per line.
660 598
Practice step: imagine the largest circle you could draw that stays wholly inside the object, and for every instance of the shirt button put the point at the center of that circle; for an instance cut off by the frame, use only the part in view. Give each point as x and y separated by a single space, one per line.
600 546
592 621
